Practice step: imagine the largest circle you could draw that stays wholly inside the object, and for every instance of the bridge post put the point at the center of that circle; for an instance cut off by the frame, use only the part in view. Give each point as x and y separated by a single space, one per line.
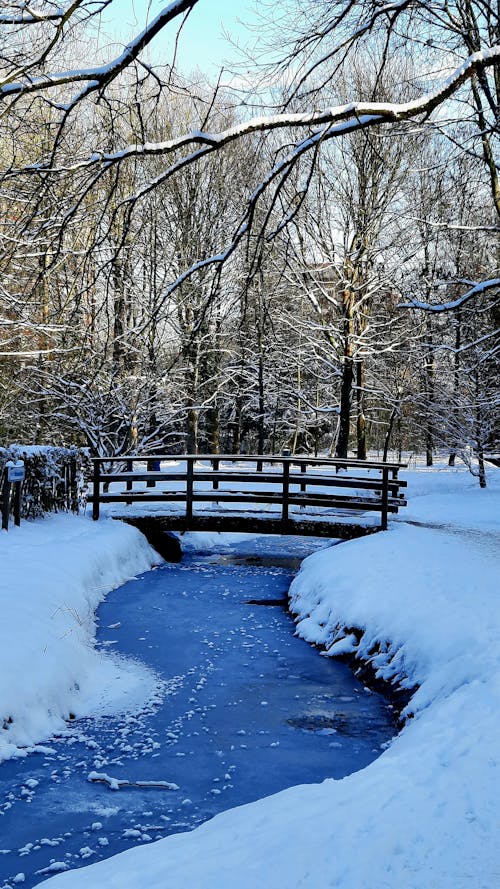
73 486
150 468
96 490
130 466
286 491
189 489
215 484
303 469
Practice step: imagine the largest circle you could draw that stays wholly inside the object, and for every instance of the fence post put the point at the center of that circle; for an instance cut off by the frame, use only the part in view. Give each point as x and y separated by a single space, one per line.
215 468
150 466
129 465
5 502
66 486
286 491
96 490
17 503
189 490
385 498
303 469
73 486
215 482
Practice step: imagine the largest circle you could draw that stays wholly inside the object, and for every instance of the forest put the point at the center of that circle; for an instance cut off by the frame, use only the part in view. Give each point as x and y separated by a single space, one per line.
303 254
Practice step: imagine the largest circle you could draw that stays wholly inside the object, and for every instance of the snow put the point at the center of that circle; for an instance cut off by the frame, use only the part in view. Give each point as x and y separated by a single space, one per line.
430 620
55 572
421 602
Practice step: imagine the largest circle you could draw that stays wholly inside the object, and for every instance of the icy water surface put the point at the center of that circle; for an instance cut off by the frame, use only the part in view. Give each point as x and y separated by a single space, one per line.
246 711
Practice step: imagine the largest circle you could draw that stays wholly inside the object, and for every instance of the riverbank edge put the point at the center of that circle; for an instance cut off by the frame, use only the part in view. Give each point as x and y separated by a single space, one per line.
56 571
398 690
364 669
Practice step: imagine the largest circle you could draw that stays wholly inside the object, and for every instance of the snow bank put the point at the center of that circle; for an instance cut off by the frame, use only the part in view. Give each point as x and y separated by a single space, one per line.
452 497
434 623
54 573
425 815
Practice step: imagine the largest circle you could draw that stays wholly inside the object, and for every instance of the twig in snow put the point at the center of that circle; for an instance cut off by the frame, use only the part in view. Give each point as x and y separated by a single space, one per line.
117 783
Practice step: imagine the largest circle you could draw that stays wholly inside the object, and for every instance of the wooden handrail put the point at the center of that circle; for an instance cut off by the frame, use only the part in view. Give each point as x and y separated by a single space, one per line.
298 459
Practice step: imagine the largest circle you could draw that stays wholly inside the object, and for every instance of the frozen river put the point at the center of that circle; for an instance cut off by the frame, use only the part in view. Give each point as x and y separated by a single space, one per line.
247 709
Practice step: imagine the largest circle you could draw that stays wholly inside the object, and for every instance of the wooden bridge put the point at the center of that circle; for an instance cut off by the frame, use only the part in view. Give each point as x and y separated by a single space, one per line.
272 494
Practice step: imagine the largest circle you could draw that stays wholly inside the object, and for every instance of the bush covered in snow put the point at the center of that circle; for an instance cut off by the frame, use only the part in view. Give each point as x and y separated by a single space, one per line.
55 478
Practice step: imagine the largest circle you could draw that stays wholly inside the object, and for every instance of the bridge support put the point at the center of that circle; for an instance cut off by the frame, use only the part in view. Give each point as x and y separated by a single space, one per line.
250 525
161 538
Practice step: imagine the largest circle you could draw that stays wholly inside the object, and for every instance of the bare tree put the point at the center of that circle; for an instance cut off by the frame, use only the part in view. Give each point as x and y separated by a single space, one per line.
77 198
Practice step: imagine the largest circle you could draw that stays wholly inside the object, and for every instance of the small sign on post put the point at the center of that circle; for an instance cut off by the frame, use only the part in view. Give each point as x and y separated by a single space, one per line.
14 476
15 471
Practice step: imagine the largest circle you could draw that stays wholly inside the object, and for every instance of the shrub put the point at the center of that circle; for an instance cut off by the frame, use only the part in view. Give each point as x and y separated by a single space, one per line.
55 478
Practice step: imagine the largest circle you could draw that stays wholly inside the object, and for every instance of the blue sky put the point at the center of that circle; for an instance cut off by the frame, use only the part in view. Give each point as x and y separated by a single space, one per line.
202 44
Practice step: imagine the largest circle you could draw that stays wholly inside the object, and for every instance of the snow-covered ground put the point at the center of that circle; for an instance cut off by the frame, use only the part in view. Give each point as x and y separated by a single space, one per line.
54 573
424 600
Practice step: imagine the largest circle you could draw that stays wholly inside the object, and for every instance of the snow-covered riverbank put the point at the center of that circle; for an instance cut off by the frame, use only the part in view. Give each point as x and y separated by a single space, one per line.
54 573
426 813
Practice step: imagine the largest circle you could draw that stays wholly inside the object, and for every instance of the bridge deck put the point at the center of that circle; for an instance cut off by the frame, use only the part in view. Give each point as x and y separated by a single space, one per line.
314 527
251 493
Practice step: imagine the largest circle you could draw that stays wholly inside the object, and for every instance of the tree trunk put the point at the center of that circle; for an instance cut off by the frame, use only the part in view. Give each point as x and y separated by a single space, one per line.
259 323
299 409
191 430
360 402
429 431
261 436
236 444
347 377
456 371
214 429
479 432
388 434
119 315
482 471
192 355
345 407
429 395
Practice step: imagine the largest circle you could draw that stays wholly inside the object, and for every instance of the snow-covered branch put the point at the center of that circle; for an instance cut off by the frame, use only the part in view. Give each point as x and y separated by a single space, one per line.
340 119
476 290
99 76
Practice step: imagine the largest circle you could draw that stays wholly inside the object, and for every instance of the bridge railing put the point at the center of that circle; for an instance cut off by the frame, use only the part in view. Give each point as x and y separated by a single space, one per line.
239 481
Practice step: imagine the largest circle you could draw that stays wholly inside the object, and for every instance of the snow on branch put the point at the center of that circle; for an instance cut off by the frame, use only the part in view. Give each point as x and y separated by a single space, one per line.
27 16
101 75
477 289
355 115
